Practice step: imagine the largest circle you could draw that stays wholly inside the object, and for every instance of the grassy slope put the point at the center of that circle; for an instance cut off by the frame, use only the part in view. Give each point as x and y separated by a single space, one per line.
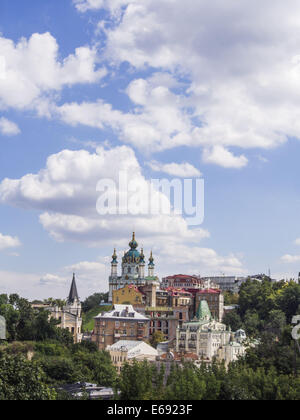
88 317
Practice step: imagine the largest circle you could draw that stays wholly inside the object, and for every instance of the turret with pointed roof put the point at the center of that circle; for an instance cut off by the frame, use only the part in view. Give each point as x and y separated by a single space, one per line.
73 295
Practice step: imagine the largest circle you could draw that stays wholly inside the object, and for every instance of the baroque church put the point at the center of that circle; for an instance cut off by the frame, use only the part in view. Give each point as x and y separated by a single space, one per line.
133 269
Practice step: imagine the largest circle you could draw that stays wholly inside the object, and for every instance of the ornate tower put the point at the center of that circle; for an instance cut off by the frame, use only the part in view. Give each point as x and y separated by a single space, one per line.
151 266
142 265
114 264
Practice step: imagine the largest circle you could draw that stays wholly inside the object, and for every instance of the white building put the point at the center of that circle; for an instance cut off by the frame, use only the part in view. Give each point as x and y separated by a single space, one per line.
126 351
208 338
227 283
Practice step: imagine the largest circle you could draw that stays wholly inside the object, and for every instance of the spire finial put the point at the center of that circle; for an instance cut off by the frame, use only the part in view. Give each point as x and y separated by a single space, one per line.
133 243
151 259
114 256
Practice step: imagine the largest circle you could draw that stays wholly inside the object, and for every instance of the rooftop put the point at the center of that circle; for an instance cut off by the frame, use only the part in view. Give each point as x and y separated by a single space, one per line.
123 312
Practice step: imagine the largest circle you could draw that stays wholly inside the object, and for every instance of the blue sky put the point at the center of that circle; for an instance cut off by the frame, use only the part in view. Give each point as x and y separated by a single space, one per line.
90 87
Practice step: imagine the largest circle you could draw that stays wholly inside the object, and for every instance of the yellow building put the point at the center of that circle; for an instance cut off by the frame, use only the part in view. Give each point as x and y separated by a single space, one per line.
128 295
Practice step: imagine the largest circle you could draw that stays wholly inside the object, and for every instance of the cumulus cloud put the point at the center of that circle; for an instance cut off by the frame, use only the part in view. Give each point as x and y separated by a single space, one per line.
218 155
8 128
65 191
241 67
183 170
158 121
7 242
290 259
85 5
34 71
198 260
65 194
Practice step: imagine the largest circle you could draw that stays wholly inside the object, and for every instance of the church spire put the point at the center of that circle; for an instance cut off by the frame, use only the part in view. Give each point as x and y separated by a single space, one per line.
73 295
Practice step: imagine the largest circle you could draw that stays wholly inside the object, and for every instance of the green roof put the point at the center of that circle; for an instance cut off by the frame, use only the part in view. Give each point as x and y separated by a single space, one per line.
203 312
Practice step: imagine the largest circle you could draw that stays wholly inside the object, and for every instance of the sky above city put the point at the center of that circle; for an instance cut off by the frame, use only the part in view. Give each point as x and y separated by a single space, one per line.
156 89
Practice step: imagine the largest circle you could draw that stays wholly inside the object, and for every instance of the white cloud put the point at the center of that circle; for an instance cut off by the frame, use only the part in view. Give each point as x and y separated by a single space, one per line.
65 193
7 242
290 259
297 241
218 155
184 170
242 70
34 72
198 260
159 120
85 5
8 128
53 281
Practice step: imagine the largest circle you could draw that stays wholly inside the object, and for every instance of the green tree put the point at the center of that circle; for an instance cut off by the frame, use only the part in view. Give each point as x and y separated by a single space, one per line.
22 380
157 337
233 320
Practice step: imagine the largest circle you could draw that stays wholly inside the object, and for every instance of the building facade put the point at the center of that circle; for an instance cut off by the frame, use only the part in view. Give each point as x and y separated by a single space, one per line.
184 281
121 323
129 294
127 351
215 300
227 283
203 336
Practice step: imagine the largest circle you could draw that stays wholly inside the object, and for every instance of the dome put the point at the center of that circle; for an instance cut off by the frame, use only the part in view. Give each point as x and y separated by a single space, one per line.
133 255
133 243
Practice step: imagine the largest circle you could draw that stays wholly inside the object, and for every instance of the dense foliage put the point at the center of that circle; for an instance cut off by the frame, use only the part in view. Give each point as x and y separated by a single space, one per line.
143 381
38 357
94 301
21 379
24 323
265 307
51 365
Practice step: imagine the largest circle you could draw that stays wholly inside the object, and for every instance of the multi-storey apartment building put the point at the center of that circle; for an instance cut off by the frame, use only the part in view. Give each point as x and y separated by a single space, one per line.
121 323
